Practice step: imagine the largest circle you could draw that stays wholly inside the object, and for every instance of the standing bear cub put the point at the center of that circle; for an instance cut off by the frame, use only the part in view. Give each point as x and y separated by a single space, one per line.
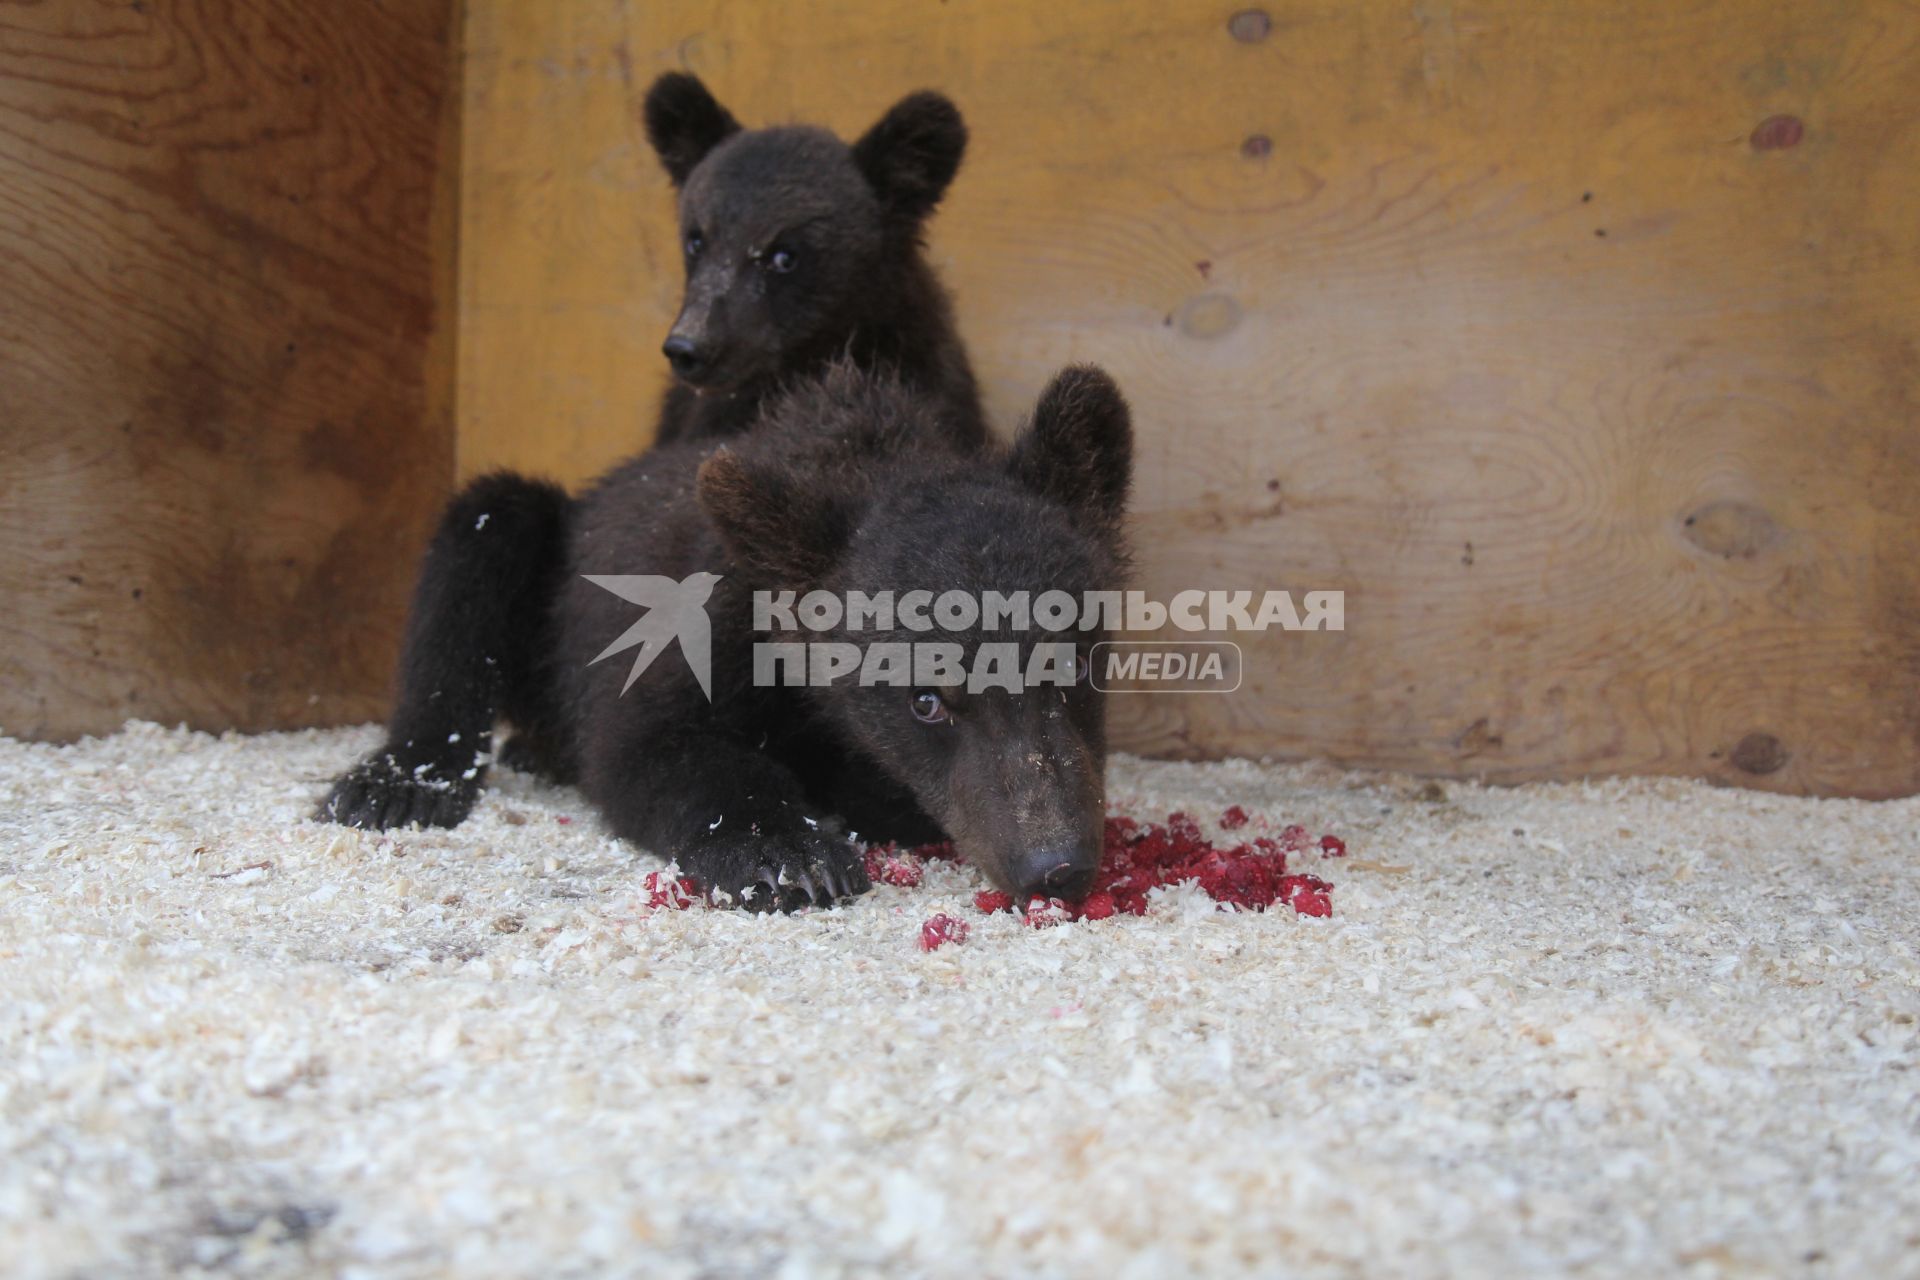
799 250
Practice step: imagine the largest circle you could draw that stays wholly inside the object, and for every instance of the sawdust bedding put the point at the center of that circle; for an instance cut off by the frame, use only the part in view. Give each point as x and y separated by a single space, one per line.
1625 1028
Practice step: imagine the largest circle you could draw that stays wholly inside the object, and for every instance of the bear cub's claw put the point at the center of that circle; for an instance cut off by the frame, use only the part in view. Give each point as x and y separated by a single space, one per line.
779 873
380 793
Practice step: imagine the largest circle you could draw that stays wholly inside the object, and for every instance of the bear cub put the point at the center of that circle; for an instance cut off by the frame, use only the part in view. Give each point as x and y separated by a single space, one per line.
799 249
847 485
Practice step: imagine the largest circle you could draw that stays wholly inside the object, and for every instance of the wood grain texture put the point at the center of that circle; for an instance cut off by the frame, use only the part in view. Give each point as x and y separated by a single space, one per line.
225 408
1577 343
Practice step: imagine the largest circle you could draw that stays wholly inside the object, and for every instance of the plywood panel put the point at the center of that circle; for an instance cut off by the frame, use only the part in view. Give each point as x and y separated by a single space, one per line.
224 408
1577 343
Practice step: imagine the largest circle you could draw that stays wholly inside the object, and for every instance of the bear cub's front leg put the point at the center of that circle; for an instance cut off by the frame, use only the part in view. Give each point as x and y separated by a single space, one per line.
785 870
735 820
403 784
473 646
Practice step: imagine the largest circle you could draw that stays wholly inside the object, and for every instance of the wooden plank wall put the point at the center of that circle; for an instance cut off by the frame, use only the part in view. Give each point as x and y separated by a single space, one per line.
225 391
1578 343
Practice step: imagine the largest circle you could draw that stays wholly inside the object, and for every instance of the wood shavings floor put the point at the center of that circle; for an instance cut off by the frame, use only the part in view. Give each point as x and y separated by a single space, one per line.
1643 1028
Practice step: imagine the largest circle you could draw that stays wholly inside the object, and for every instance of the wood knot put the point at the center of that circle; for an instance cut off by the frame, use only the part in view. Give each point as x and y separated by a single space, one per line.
1759 753
1476 738
1777 133
1733 530
1250 26
1210 315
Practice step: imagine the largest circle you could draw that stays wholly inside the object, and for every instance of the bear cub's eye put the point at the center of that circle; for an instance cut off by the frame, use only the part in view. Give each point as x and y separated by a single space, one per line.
695 243
928 707
779 261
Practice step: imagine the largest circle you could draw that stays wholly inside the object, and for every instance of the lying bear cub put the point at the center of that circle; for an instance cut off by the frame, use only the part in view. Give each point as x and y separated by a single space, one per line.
848 483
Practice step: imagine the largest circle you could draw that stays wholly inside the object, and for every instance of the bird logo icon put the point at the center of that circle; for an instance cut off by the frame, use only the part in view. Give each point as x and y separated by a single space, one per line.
675 610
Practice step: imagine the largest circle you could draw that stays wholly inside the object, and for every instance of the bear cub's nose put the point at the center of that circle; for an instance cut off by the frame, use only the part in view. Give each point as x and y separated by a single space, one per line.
686 358
1051 874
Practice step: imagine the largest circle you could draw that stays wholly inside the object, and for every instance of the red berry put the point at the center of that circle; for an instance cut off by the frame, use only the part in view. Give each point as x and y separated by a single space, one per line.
940 930
1307 895
1131 897
1098 906
1044 913
898 872
563 819
1138 857
664 890
1332 847
1245 882
1271 850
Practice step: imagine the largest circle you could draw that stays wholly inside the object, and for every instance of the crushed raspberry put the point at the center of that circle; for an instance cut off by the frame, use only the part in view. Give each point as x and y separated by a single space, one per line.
1097 906
939 930
1183 827
1233 819
1140 857
943 851
563 819
887 865
1129 895
664 890
1307 895
1332 847
992 900
1246 882
899 872
1044 913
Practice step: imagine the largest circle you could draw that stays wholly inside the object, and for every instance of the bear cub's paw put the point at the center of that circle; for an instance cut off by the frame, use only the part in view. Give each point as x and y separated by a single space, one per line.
380 793
781 872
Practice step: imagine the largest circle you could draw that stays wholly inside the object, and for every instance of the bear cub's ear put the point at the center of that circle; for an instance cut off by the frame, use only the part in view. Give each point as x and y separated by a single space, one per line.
1078 449
771 522
684 122
911 155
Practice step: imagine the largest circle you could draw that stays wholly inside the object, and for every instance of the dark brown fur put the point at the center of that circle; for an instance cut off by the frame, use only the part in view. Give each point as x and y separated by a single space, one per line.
799 250
849 484
808 250
850 481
